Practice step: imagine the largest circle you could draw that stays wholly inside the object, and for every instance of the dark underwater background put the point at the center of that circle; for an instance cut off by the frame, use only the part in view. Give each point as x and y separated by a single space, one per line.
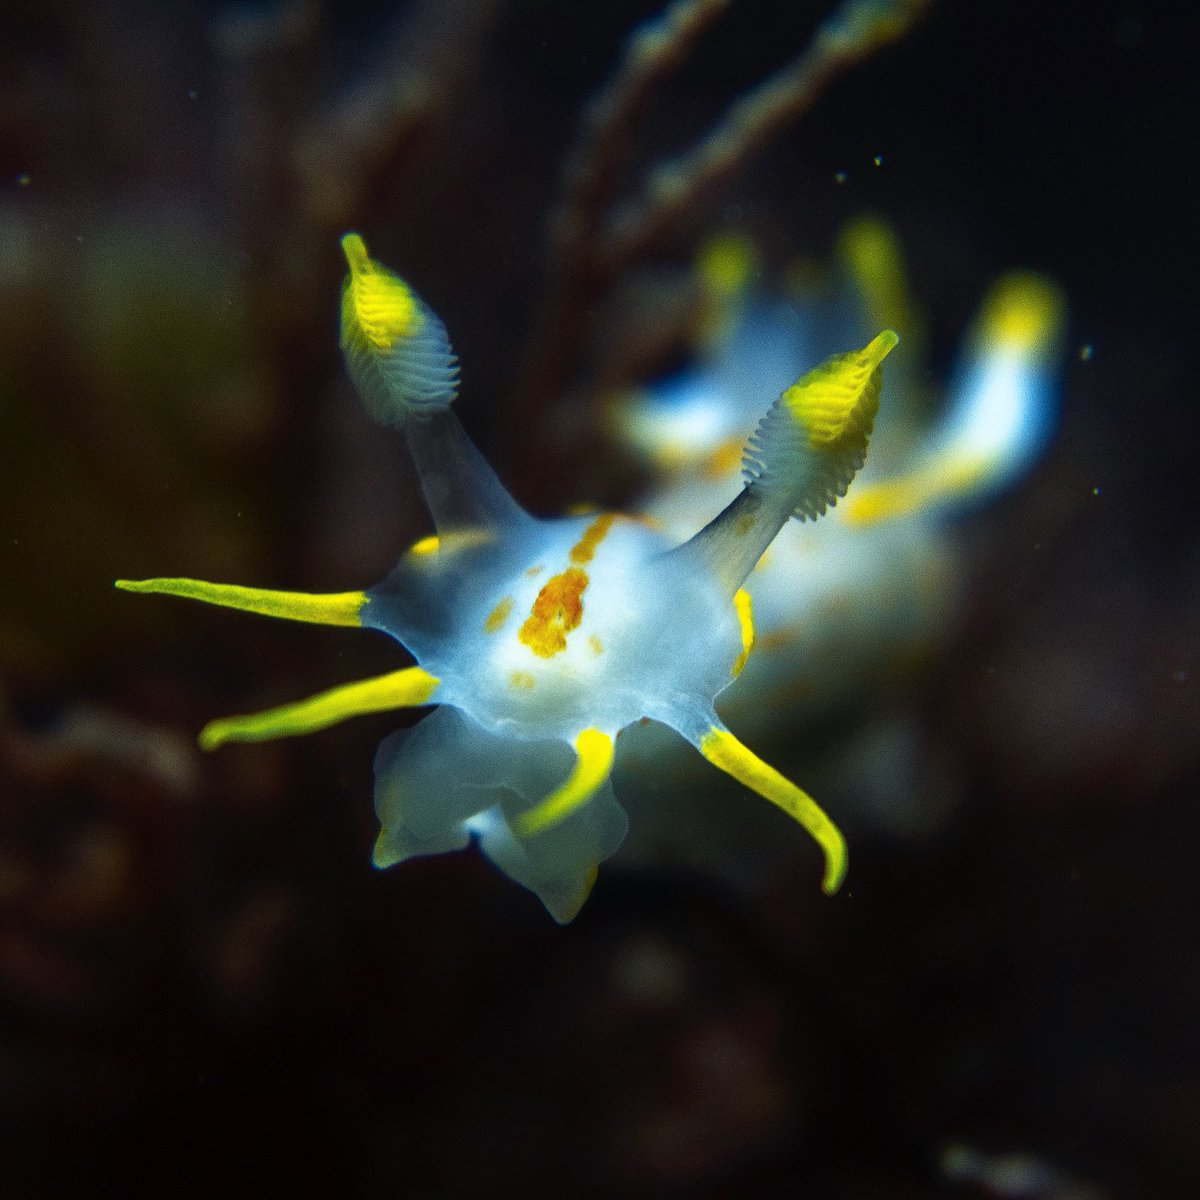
205 988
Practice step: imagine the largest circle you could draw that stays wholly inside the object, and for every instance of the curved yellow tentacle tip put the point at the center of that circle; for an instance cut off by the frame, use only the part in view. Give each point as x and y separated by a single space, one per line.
382 853
594 751
336 608
1023 312
837 861
407 688
836 403
725 752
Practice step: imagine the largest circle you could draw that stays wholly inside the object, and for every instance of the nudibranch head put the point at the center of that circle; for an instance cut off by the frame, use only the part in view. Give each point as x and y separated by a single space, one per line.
578 623
541 640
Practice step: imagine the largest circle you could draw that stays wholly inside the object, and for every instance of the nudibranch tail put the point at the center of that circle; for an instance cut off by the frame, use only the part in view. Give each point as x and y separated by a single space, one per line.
396 348
724 750
799 461
593 764
337 608
407 688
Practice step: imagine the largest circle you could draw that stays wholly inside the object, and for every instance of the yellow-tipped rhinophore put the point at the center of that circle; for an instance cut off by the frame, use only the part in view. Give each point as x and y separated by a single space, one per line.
836 403
407 688
378 306
798 462
724 750
592 766
337 608
396 348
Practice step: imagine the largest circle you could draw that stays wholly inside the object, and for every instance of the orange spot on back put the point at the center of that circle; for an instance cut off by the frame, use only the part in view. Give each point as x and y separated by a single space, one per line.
496 618
595 645
593 535
521 681
536 569
557 609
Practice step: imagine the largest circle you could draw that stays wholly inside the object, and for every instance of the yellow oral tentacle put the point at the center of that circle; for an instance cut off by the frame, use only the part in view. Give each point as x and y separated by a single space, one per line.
724 750
338 608
407 688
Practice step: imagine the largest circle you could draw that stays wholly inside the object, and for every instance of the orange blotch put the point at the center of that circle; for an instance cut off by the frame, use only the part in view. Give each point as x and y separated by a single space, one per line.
521 681
725 458
557 609
496 618
595 645
593 535
776 639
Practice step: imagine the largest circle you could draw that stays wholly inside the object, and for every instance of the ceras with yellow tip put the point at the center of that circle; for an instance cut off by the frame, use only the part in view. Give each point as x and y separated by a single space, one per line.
540 640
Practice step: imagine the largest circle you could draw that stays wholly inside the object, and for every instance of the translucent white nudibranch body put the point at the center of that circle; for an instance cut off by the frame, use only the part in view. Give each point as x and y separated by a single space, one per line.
541 640
586 622
875 582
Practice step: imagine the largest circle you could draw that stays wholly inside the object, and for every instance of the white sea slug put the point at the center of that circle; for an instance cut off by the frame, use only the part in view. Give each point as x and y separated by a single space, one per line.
540 640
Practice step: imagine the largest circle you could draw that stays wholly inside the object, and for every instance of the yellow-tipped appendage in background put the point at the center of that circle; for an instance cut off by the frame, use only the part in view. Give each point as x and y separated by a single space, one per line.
726 266
1001 416
1024 312
872 252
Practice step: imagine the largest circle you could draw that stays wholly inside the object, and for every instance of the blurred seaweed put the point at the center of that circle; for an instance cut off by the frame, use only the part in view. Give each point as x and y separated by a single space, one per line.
202 985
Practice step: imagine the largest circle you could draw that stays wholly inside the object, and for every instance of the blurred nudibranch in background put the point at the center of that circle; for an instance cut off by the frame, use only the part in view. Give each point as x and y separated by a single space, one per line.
879 577
541 640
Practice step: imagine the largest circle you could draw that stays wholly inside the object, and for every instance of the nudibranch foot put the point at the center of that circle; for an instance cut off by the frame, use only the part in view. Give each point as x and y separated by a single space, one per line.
446 780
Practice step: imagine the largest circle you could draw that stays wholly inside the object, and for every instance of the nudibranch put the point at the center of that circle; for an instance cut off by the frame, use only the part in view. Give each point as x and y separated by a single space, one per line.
540 640
842 606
